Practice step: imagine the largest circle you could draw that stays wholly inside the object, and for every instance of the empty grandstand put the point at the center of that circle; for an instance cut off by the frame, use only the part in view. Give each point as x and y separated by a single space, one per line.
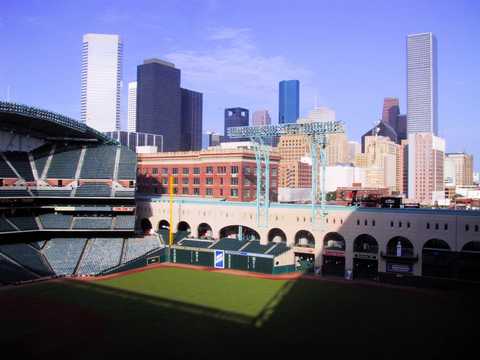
67 197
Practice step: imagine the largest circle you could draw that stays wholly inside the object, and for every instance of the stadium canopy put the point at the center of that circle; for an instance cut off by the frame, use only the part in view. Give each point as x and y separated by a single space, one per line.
31 121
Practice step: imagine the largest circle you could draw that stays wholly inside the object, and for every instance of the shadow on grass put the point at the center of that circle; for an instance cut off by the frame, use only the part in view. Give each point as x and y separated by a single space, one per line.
346 319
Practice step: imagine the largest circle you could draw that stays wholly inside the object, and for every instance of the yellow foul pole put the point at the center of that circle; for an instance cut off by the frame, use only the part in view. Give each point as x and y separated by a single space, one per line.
170 228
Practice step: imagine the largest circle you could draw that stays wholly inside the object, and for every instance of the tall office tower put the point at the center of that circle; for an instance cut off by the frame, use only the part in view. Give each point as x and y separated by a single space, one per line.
426 153
101 81
319 114
235 117
401 127
381 129
459 169
261 117
192 107
422 110
159 102
132 106
354 148
391 110
288 101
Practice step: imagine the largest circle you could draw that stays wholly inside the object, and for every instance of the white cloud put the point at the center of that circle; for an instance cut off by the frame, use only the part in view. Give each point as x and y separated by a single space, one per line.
235 73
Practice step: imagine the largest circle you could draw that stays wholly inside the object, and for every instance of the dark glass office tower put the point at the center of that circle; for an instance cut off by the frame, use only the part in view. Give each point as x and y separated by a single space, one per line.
288 101
235 117
192 106
159 102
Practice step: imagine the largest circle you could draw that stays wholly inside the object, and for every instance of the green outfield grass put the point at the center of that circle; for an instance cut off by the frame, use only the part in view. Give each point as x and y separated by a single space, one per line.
194 313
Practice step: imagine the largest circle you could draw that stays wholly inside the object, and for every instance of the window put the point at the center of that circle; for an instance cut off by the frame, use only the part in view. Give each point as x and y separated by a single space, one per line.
185 191
59 182
221 192
196 181
408 224
445 227
399 224
175 181
358 221
175 190
209 192
391 223
209 170
196 171
175 171
221 181
185 181
165 181
476 228
185 171
247 193
274 172
467 227
234 169
165 171
234 181
221 169
436 226
365 222
234 192
247 170
196 191
209 181
155 171
373 222
428 225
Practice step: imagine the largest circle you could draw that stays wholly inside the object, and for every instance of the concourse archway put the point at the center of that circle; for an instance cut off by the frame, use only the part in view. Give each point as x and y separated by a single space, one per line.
304 251
183 231
204 231
333 254
400 256
146 226
437 259
277 235
163 229
365 257
469 261
239 232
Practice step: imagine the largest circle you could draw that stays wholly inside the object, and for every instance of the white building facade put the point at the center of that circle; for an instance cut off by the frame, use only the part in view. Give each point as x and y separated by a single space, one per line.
132 106
101 81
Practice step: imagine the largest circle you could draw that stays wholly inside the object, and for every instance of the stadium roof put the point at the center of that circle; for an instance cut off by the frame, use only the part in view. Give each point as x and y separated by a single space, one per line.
27 120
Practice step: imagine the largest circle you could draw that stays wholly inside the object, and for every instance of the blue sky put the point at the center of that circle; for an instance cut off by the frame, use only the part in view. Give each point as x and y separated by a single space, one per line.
347 54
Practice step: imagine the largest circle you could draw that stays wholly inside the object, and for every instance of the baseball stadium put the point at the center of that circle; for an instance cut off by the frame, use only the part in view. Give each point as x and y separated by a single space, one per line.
85 272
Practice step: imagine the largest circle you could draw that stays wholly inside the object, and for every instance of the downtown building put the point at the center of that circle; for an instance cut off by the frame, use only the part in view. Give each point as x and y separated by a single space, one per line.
426 150
288 101
223 173
260 118
164 108
459 169
132 107
233 117
101 81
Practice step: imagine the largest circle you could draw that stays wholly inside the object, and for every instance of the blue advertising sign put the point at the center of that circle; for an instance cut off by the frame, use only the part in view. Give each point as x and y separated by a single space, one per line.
219 260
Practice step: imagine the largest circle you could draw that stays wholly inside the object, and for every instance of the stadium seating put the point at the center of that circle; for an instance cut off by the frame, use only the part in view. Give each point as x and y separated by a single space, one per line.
93 190
5 226
123 193
40 157
99 162
127 165
229 244
24 222
136 247
99 255
92 223
51 193
64 163
124 222
5 170
196 243
279 249
14 193
64 254
179 235
12 273
27 256
21 163
256 247
55 221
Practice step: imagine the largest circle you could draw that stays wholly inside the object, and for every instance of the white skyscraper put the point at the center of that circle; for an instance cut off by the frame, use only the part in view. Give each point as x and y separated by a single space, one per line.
132 106
422 83
101 81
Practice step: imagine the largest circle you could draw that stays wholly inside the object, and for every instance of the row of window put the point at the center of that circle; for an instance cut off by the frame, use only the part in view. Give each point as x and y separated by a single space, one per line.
208 170
196 191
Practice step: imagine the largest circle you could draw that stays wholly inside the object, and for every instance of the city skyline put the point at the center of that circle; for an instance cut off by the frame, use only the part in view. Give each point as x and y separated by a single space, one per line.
347 84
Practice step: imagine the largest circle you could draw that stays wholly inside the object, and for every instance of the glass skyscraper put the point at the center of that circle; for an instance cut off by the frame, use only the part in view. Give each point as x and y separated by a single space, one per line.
288 101
422 83
101 81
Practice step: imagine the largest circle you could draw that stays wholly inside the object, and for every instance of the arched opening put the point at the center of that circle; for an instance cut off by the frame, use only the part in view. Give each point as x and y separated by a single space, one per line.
146 226
304 257
239 232
400 255
163 229
183 231
277 235
365 257
469 261
333 254
304 238
437 259
204 231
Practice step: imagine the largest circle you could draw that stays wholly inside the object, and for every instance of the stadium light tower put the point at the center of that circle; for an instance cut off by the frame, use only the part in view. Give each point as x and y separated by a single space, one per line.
316 131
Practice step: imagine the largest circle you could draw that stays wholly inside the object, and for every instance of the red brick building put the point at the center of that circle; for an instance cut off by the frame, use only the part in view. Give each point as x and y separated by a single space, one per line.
217 173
